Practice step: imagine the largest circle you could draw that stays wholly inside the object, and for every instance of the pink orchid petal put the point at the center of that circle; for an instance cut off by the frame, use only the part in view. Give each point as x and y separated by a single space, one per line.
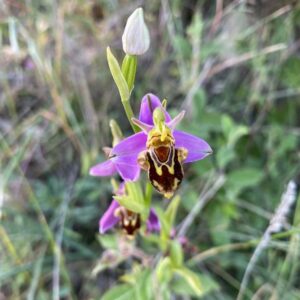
128 167
153 222
197 148
109 220
132 145
146 110
106 168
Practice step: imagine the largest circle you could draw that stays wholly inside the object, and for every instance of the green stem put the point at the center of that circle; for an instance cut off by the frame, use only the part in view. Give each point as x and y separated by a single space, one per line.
129 114
148 193
148 197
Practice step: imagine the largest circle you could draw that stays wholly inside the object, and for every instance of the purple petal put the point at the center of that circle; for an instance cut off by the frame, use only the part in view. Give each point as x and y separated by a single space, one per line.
108 220
130 146
125 156
106 168
153 222
127 167
148 104
197 148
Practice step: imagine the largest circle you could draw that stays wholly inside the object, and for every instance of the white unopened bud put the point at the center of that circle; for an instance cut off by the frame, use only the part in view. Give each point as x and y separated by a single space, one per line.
136 39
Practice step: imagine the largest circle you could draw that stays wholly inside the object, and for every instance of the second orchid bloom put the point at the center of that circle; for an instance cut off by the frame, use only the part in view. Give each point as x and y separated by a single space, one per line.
129 221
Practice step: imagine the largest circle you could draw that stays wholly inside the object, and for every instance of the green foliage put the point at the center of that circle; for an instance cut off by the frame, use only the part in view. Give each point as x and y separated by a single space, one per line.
243 178
176 254
119 292
167 219
289 73
129 66
191 279
108 241
133 199
181 286
118 75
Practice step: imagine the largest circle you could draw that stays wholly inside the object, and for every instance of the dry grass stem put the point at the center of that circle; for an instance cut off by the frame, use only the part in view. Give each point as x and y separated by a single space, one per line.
276 224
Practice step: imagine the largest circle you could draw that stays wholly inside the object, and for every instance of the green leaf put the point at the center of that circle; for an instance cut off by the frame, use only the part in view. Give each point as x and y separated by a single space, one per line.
176 254
117 75
190 199
171 211
167 220
236 133
181 287
199 101
191 279
224 156
108 241
195 29
182 45
133 199
119 292
165 229
290 72
219 220
243 178
143 285
129 66
232 131
141 281
227 125
164 270
127 202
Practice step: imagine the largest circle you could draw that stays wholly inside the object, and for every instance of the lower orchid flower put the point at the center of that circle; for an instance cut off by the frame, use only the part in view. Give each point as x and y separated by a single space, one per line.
128 220
159 149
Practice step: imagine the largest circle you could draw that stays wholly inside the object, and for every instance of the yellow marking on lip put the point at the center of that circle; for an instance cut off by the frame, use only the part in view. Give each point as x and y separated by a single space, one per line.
171 169
134 221
157 185
168 195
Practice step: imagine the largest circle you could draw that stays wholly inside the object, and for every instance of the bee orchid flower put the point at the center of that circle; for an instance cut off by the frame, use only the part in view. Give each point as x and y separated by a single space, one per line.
128 220
159 149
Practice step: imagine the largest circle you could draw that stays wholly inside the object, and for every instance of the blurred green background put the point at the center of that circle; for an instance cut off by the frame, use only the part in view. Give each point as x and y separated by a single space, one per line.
234 66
